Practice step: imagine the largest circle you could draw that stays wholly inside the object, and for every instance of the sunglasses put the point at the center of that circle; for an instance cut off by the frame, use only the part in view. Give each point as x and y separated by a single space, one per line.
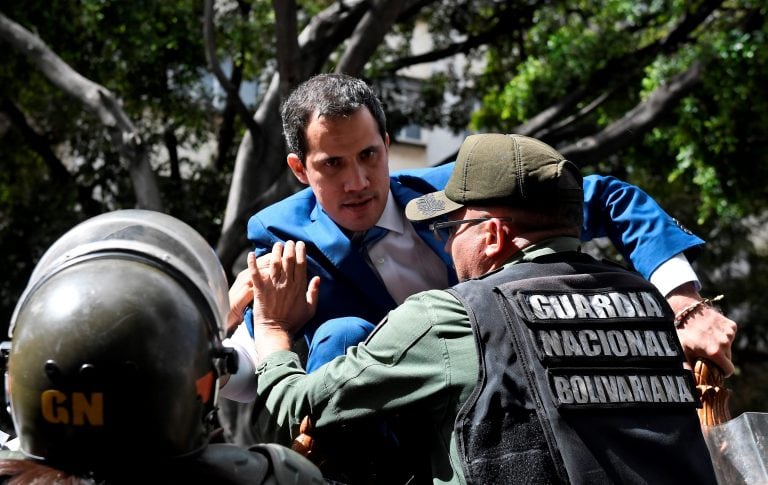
442 230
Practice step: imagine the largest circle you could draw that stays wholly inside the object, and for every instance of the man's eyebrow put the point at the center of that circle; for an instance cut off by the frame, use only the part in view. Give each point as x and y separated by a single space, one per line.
330 158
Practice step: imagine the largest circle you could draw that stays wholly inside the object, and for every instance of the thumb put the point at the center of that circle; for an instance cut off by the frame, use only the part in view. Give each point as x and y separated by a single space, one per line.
313 292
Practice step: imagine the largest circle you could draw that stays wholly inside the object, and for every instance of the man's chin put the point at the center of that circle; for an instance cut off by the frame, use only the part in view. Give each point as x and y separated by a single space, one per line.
358 220
358 227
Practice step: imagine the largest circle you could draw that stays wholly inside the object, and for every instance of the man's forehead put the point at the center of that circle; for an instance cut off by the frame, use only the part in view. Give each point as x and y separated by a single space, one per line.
343 136
336 111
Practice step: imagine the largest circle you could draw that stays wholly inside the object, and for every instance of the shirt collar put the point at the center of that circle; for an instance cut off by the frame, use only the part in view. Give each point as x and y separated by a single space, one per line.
547 246
392 219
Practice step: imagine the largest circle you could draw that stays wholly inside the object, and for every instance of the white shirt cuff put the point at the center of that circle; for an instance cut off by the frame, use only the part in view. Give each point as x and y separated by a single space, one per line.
673 273
241 385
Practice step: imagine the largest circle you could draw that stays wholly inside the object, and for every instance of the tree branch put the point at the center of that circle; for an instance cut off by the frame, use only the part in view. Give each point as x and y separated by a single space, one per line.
97 99
507 21
287 45
40 145
565 125
213 64
635 122
618 71
368 35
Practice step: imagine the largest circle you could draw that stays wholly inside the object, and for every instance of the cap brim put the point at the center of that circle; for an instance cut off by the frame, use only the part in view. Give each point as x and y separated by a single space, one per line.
430 206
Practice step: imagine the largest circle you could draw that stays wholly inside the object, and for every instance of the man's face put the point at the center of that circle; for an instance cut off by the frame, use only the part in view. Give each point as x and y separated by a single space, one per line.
467 244
347 168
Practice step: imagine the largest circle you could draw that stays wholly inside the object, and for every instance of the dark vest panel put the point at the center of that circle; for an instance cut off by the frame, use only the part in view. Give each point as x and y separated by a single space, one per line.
581 380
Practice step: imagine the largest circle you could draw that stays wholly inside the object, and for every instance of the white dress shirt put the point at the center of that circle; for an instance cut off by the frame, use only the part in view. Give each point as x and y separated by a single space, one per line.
404 262
673 273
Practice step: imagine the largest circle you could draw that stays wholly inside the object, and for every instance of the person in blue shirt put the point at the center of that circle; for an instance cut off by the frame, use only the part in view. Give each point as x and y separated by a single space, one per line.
335 131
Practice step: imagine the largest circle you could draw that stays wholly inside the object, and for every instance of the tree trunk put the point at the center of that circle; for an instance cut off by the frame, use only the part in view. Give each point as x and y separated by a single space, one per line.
97 99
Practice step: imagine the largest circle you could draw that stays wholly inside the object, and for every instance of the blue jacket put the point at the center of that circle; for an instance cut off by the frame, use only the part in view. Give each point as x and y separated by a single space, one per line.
641 230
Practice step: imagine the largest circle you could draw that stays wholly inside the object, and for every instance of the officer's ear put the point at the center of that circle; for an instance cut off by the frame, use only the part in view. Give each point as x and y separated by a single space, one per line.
298 168
497 238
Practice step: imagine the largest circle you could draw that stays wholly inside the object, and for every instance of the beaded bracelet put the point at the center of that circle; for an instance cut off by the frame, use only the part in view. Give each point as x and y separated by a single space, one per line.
683 314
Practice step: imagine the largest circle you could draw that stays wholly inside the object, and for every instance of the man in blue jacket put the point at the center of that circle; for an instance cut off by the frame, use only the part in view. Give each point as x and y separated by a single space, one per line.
335 131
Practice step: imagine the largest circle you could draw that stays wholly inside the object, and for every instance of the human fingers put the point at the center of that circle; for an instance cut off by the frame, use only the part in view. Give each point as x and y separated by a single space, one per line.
253 270
709 335
722 335
240 296
240 288
276 263
241 285
313 294
261 274
725 364
289 260
301 252
263 262
723 351
300 270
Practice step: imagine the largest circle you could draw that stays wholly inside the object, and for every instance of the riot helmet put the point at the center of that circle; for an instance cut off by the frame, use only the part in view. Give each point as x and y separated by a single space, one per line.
116 343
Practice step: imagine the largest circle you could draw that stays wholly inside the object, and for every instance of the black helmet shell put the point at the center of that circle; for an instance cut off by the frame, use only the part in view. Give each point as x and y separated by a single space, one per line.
115 343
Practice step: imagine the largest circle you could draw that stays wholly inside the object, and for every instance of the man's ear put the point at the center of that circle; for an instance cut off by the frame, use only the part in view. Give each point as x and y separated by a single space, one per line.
495 238
298 169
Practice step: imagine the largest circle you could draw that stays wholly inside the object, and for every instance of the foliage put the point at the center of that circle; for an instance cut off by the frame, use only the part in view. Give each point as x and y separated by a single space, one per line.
150 54
721 122
33 213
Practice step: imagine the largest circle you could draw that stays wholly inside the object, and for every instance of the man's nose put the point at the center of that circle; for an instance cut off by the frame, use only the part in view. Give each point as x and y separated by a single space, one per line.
357 178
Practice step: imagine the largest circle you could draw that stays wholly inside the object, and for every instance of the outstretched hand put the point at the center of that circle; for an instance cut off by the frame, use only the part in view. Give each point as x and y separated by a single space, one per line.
283 301
241 293
705 333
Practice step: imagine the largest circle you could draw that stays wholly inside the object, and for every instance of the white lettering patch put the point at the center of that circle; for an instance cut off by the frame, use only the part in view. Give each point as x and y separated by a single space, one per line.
564 343
644 389
577 306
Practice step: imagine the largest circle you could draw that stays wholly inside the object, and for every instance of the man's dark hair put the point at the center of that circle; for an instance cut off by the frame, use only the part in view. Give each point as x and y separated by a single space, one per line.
331 95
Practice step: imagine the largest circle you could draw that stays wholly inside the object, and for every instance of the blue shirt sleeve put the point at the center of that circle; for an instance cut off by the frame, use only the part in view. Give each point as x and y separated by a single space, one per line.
639 228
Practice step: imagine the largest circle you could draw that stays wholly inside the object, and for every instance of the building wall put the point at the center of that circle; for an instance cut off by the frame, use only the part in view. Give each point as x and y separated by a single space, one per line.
435 144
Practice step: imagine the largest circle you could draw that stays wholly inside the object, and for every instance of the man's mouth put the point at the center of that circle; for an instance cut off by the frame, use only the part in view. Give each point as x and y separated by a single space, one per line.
358 204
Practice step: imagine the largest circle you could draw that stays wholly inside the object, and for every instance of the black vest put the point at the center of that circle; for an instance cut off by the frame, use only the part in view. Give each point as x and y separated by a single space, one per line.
580 380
